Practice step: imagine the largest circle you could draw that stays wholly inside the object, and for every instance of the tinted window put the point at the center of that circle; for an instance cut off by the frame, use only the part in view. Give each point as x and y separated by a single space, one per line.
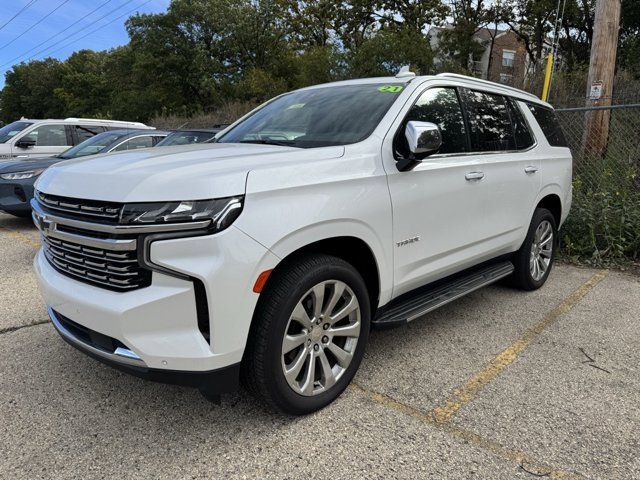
489 122
318 117
442 107
186 138
549 124
9 131
85 132
135 143
94 145
521 131
49 136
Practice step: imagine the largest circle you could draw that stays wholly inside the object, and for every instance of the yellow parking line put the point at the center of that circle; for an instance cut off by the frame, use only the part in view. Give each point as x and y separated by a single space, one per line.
517 457
477 382
21 237
440 416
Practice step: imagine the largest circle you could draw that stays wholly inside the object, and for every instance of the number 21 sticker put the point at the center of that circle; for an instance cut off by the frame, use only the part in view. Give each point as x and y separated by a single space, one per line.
391 88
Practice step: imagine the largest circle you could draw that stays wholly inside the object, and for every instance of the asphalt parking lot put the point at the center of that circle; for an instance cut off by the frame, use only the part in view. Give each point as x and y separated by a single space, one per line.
500 384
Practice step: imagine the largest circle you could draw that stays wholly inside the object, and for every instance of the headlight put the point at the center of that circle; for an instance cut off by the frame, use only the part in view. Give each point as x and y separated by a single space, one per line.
22 175
222 212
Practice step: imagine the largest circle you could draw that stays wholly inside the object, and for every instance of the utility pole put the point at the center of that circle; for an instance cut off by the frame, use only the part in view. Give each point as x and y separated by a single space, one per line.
602 66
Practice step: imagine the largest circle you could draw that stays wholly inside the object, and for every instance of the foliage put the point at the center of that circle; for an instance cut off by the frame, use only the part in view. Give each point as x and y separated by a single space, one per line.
201 54
603 227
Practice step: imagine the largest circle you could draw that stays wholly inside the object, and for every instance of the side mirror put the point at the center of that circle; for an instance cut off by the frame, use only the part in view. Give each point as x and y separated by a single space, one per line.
26 142
424 138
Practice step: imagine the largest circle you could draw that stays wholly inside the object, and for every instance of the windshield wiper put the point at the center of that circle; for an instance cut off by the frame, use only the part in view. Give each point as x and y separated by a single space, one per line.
282 143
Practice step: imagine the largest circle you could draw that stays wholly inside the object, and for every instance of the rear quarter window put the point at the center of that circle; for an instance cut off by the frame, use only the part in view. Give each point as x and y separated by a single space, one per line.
549 124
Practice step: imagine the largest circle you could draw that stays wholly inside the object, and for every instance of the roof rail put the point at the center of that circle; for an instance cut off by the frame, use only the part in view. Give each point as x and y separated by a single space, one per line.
487 82
117 122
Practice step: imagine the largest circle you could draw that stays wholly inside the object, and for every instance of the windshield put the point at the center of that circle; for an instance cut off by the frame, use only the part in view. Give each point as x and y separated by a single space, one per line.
185 138
9 131
318 117
93 145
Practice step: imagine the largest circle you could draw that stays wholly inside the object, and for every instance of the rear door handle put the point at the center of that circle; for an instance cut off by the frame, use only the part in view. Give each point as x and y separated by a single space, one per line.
530 169
474 176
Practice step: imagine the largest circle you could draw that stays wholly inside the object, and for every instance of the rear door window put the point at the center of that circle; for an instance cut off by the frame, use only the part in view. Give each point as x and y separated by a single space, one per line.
490 127
524 138
549 124
135 143
85 132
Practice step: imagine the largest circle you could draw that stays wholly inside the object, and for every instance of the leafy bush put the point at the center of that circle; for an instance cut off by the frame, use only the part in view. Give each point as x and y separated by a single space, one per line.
603 227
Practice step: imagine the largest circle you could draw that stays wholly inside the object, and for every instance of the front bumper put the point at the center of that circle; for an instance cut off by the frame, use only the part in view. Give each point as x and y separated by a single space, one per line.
159 323
16 195
222 380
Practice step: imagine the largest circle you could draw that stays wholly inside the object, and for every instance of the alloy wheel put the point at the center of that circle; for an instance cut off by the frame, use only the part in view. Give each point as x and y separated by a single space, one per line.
321 337
541 250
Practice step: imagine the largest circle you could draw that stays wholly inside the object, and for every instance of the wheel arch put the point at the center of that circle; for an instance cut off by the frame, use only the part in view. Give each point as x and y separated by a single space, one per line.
352 250
552 202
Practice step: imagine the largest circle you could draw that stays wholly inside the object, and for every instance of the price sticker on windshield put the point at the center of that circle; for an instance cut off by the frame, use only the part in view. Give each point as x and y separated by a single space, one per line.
391 88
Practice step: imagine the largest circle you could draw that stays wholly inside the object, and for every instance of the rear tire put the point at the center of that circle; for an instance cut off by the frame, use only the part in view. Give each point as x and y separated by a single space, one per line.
534 260
308 335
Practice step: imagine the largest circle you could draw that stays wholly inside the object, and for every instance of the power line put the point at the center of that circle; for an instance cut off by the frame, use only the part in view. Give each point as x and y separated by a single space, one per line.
101 27
80 30
59 33
14 17
35 24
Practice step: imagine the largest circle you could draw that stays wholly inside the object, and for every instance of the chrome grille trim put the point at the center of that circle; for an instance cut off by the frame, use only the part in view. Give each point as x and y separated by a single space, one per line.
108 210
87 252
76 267
119 229
98 243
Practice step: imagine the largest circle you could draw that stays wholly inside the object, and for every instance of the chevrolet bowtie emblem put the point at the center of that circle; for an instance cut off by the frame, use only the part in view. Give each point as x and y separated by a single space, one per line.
42 222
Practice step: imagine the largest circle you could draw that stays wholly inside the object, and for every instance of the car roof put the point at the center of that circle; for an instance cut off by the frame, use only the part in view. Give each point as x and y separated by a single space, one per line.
197 130
89 121
462 80
136 131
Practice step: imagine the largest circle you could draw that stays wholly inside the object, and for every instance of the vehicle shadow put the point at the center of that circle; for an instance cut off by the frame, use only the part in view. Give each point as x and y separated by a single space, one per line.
15 223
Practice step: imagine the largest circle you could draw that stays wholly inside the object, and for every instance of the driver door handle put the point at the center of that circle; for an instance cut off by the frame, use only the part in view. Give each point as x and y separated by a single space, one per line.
474 176
531 169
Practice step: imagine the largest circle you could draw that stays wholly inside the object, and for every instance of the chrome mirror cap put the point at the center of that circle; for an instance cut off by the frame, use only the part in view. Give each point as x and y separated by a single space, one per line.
423 137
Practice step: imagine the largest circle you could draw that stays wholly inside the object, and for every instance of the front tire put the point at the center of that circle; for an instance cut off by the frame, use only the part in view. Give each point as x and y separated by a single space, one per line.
534 260
308 335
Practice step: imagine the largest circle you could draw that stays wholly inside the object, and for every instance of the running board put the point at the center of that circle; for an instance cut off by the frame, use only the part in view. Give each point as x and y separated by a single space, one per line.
424 300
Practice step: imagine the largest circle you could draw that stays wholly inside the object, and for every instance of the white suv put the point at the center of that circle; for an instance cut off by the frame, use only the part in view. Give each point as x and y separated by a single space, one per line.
269 255
26 138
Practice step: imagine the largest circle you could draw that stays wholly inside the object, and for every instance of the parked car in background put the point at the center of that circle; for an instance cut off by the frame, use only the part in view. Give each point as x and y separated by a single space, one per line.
269 255
18 176
186 137
45 138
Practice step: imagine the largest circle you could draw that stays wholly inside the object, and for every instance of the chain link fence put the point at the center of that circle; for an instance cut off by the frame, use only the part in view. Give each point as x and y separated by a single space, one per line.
604 225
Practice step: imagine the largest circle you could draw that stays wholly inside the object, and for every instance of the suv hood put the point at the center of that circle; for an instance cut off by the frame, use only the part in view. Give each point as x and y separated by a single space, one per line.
189 172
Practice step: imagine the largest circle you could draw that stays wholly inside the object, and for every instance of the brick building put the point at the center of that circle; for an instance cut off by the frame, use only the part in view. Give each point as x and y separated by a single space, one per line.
503 59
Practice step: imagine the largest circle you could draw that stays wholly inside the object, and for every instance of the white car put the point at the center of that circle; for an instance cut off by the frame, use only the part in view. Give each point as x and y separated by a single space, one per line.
26 138
269 255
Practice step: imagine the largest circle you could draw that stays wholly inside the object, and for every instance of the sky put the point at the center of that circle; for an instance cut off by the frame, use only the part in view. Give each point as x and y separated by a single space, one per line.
48 28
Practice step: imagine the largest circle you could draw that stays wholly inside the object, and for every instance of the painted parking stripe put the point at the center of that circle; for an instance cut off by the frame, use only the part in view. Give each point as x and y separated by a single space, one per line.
466 393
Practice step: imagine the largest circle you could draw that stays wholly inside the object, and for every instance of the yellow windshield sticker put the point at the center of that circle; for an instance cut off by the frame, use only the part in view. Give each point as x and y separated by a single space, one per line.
295 105
391 88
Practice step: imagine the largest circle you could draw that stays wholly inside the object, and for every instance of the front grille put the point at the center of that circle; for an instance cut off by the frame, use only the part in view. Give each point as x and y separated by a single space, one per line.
90 210
114 270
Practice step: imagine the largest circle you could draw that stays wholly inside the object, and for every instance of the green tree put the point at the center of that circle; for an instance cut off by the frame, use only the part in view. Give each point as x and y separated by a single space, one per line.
532 22
83 86
458 43
29 91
